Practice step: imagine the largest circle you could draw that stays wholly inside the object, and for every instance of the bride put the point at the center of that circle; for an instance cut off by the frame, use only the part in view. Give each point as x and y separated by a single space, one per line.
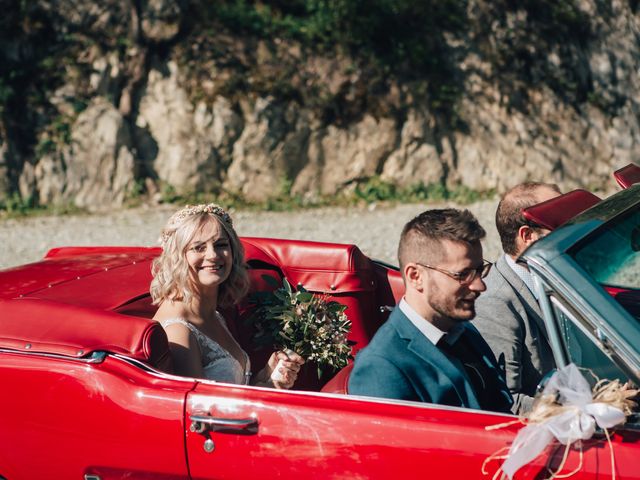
200 269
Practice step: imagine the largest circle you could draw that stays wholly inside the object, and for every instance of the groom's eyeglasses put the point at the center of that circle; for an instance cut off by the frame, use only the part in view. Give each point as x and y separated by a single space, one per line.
466 276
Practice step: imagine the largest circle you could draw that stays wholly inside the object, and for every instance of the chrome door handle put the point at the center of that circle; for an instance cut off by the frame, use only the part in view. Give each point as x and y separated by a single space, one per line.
201 423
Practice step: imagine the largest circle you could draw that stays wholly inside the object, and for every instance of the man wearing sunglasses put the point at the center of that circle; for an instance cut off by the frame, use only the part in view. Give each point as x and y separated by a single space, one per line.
428 351
509 316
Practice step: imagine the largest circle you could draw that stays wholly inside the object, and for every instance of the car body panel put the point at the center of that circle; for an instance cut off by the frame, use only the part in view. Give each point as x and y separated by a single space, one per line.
304 435
137 430
324 437
66 265
64 418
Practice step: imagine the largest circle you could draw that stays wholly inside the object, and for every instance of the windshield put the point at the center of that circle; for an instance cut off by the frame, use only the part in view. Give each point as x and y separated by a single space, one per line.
612 254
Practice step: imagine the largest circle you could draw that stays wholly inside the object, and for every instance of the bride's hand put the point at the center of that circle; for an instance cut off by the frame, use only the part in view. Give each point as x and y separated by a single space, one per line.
284 367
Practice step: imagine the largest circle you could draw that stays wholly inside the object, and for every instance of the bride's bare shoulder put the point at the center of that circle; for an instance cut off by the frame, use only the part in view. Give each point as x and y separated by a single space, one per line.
169 310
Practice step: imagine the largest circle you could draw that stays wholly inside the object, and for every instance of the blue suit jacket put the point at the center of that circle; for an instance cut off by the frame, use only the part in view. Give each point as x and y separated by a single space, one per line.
401 363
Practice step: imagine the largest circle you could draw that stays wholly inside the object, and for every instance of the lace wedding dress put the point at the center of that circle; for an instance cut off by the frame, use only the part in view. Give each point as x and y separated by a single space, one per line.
217 363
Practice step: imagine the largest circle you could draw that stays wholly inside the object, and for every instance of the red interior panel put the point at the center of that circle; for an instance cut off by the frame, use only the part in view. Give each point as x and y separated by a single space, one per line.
340 382
628 298
627 175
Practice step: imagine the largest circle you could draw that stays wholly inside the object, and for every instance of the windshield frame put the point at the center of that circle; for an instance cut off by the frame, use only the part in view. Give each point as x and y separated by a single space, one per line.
555 270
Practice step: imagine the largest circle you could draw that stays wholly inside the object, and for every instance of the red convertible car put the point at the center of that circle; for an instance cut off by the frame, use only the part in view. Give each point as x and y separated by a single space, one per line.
87 390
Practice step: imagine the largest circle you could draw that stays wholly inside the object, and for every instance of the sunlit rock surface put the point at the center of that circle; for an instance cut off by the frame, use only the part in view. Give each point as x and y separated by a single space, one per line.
165 107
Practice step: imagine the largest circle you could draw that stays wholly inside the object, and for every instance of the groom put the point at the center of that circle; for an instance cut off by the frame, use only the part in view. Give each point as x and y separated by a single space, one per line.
428 351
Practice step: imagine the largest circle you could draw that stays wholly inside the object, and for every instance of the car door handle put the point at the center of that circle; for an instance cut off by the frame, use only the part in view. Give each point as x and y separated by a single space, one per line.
201 423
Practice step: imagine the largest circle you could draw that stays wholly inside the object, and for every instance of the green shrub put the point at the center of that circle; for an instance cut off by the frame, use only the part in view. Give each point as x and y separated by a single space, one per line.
16 205
375 189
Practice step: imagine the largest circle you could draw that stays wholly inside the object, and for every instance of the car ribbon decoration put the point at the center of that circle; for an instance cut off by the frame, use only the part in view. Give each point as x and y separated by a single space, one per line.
568 410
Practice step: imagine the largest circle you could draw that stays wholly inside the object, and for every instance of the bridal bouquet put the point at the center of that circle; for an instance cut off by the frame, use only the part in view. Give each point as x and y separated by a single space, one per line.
308 324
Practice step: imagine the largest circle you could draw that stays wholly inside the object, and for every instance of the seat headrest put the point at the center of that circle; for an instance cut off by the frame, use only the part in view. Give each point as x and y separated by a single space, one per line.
319 267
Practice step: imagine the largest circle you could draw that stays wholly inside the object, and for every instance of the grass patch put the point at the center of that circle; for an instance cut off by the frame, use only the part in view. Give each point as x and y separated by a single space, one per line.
375 190
372 191
17 207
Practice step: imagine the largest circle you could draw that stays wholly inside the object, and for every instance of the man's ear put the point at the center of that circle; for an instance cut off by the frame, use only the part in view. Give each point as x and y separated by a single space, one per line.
526 236
413 276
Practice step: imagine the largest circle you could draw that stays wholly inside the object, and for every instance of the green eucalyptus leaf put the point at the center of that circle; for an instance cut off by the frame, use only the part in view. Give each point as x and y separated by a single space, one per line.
281 295
305 297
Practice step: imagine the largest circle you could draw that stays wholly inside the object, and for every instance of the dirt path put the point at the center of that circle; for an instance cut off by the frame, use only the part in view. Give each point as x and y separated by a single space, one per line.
375 229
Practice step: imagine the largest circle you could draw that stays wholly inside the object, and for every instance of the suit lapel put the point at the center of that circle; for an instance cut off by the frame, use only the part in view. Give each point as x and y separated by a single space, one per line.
428 352
528 300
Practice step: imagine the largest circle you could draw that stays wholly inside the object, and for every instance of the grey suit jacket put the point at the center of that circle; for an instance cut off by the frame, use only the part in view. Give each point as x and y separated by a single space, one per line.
509 318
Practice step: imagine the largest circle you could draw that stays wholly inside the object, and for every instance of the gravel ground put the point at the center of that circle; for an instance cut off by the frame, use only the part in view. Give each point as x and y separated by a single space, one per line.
375 229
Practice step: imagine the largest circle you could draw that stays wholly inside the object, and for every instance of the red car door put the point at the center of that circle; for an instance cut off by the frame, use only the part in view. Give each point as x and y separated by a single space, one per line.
246 432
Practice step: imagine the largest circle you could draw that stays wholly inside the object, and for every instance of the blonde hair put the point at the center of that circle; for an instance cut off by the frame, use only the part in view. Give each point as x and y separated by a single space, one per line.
172 277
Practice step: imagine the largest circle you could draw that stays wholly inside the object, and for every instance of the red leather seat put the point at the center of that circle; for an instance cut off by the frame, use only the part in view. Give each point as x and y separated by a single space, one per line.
340 382
338 272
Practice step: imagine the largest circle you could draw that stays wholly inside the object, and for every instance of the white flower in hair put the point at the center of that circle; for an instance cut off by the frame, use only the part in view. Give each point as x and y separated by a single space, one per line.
177 218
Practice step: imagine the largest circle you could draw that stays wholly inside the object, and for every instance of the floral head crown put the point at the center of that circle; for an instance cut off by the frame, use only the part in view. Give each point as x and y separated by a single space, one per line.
177 218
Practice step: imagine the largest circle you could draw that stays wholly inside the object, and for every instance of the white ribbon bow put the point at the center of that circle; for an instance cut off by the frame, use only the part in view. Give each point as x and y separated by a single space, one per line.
578 422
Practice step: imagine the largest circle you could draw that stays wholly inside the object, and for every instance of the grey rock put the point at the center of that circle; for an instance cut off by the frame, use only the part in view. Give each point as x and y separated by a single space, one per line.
216 117
355 153
270 151
100 165
109 19
190 143
417 159
96 170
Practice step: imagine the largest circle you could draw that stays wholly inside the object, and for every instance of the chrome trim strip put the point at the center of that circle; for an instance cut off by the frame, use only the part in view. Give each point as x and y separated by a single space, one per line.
549 322
94 358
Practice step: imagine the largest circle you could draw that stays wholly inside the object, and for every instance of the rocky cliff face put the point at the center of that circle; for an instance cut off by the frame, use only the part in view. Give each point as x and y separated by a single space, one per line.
140 97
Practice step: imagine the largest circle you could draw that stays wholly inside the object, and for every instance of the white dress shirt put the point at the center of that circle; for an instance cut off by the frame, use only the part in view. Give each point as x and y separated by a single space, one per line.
428 329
